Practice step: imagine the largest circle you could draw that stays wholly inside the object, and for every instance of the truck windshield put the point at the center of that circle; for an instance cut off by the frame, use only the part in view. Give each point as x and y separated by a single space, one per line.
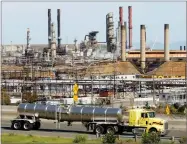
151 114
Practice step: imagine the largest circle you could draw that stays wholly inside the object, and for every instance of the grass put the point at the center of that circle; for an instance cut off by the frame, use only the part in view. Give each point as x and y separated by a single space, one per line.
7 138
31 139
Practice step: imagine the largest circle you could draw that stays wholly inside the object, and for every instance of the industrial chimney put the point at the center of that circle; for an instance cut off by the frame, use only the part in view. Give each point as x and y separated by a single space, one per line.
180 48
125 25
123 43
166 42
49 27
130 25
58 28
121 15
142 46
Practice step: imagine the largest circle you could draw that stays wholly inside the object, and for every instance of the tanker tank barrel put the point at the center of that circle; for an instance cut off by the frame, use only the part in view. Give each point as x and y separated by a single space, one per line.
71 113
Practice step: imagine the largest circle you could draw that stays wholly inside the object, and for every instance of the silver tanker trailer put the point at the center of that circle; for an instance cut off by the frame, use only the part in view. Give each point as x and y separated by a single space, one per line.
100 120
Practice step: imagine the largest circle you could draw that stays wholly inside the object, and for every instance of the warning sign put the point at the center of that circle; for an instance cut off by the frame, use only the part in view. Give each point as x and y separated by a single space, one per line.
167 110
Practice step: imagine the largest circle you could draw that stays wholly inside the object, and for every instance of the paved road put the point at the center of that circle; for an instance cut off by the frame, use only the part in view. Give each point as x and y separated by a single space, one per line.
49 129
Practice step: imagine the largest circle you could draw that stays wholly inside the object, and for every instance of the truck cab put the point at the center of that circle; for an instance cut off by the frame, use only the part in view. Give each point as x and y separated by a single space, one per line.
141 118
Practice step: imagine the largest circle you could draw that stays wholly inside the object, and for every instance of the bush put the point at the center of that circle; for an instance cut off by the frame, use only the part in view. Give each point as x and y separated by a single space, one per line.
183 140
150 138
5 99
181 109
160 110
147 105
109 138
176 105
80 139
173 110
29 97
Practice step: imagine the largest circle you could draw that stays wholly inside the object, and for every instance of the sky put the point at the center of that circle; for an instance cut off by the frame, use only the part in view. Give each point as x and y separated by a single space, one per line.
79 18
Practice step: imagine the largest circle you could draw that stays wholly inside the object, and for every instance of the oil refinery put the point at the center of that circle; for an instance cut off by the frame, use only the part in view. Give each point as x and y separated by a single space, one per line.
109 86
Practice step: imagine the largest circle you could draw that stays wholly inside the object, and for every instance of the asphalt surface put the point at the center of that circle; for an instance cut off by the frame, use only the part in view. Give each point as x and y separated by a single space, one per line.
49 129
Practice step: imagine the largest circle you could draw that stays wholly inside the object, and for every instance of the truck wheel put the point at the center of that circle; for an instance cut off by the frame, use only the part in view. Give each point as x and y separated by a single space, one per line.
152 130
36 125
111 129
99 129
27 125
16 125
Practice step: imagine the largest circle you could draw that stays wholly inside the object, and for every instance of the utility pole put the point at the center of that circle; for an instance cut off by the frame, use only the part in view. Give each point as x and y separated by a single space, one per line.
154 101
92 89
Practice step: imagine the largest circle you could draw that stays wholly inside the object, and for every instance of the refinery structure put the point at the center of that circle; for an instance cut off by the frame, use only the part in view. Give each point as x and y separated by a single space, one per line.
113 69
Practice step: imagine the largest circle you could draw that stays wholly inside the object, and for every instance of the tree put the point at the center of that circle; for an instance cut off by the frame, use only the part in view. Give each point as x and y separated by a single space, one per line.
5 99
29 97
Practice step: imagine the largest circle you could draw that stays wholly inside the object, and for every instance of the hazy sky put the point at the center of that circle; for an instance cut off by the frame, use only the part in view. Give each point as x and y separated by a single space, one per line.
79 18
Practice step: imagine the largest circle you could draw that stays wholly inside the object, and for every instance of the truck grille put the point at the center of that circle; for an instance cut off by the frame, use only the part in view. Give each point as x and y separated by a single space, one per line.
166 125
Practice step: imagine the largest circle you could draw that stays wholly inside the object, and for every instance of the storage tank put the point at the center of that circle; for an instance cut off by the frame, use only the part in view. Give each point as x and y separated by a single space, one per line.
72 113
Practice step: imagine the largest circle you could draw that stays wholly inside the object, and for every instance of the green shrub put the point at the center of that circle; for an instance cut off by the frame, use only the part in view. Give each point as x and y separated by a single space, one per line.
181 109
173 110
176 105
109 138
147 106
5 98
183 140
80 139
150 138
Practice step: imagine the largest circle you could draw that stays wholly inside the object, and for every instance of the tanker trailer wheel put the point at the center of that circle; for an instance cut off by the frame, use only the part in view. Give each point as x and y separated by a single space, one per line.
16 125
99 129
36 125
27 125
111 129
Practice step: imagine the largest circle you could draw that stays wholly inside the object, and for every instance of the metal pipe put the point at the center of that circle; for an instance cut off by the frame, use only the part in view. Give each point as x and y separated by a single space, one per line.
166 42
58 27
130 25
142 46
123 41
49 27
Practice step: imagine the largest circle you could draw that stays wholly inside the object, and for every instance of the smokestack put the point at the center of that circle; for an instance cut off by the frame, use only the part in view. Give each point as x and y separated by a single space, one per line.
125 25
58 27
121 15
180 48
142 46
49 27
166 42
123 43
130 25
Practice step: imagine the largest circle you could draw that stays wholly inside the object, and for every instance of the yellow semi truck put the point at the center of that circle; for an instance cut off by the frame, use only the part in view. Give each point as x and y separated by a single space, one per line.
99 119
141 118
